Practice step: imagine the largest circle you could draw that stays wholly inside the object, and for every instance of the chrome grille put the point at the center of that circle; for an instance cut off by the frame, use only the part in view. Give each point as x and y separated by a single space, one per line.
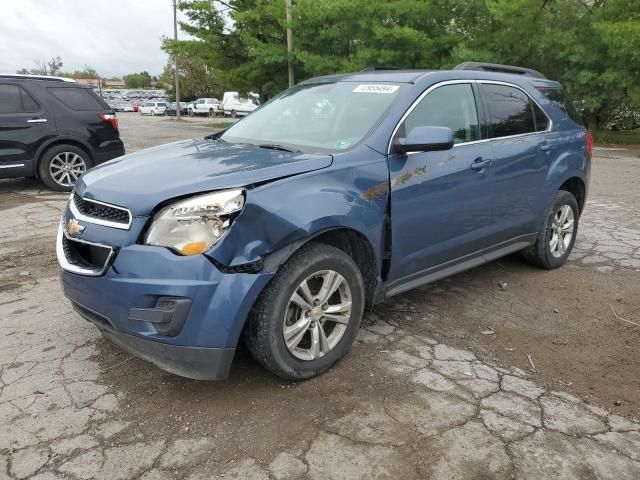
101 213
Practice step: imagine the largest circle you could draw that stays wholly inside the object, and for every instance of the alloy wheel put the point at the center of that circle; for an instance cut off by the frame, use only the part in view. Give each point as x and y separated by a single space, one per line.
66 167
562 230
317 315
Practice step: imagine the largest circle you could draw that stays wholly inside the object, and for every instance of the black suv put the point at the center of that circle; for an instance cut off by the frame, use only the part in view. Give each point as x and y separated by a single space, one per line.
54 128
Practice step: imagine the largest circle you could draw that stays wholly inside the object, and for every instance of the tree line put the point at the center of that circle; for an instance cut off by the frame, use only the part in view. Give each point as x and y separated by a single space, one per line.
591 46
54 67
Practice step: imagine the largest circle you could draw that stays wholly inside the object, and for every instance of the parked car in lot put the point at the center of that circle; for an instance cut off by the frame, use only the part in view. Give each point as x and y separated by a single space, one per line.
236 106
203 106
53 128
339 193
172 107
125 107
152 108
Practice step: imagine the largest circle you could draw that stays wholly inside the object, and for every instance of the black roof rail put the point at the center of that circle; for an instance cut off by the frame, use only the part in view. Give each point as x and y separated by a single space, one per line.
498 68
37 77
378 69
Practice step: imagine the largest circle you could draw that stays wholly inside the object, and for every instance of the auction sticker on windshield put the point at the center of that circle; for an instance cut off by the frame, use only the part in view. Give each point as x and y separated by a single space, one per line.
375 88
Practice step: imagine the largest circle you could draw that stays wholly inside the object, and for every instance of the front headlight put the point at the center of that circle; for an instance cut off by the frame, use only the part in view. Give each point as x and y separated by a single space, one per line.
196 224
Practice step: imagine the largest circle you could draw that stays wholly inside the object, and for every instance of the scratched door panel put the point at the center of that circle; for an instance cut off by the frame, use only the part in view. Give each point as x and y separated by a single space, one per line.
441 207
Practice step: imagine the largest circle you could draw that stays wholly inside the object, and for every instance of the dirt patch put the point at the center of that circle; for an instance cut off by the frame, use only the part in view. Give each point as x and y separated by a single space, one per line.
26 263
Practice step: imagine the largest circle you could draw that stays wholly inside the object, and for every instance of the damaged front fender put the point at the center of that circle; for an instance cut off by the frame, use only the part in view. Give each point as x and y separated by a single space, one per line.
288 212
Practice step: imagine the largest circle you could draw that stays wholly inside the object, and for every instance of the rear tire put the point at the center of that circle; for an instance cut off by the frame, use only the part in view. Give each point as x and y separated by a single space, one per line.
278 312
60 167
234 114
558 234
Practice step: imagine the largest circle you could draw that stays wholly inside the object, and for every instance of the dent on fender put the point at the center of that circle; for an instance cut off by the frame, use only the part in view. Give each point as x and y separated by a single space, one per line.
290 212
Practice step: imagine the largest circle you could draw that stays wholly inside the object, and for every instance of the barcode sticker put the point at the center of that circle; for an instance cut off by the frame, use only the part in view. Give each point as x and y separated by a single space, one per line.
368 88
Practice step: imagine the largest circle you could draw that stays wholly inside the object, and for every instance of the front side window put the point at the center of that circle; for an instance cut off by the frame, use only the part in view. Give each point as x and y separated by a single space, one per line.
510 110
452 106
317 117
14 99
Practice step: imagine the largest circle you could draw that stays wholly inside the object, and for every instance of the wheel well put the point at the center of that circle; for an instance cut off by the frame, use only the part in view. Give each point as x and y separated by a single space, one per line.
357 247
575 186
55 143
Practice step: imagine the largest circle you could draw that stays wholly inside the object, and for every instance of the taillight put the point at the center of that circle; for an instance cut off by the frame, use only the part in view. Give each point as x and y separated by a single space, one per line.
110 118
589 144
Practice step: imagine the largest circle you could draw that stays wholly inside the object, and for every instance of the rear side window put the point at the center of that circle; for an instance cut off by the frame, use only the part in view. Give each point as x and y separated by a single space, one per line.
14 99
450 106
541 119
78 98
510 110
560 100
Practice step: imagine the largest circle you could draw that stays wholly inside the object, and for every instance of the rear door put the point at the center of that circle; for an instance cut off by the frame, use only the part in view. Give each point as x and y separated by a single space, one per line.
522 154
440 201
23 127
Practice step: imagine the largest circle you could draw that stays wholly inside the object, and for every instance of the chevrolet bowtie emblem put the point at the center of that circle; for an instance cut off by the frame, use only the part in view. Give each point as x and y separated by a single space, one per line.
73 227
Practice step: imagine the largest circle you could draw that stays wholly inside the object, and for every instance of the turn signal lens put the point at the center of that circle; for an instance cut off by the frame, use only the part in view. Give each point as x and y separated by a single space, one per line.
194 248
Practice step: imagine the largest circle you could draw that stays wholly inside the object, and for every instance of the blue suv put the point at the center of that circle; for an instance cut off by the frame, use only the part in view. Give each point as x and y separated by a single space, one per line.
335 195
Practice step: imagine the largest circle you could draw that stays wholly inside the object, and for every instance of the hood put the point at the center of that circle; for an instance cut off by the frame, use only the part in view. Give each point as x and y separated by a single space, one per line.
142 180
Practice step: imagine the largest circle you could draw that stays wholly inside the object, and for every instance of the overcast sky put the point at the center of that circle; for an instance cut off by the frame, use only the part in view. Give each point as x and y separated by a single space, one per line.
115 37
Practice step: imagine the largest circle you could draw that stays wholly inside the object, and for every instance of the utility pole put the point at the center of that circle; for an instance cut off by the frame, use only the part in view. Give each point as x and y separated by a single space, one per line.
292 80
175 59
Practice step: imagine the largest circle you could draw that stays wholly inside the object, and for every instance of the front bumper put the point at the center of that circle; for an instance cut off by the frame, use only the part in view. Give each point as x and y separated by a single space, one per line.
198 363
137 278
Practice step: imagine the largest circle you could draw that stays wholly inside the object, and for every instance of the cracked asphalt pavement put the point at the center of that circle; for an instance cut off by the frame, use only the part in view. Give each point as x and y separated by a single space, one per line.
438 384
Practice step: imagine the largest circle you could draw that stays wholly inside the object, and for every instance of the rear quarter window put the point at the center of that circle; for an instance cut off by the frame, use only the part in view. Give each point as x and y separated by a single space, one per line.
560 100
82 99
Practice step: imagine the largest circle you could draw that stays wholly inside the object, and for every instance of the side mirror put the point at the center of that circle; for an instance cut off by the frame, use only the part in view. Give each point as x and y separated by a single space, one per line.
426 139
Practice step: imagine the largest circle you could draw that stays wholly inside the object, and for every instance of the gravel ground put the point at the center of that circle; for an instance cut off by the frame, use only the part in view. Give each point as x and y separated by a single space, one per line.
438 384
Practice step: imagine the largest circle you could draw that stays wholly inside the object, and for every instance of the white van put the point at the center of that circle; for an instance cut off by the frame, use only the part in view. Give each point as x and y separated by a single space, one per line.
235 105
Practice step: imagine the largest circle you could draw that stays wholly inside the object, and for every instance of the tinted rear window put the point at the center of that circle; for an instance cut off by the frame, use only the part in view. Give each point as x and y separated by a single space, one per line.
560 100
79 98
510 111
14 99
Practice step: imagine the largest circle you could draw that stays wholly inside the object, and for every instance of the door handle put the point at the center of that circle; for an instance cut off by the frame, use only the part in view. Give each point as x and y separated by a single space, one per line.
480 163
545 146
37 120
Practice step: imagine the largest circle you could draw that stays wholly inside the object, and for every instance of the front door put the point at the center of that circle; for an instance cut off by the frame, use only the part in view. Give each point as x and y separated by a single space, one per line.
23 128
440 201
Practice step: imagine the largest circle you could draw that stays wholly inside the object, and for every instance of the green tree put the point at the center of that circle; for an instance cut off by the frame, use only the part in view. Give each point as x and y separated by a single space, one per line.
137 80
196 79
591 46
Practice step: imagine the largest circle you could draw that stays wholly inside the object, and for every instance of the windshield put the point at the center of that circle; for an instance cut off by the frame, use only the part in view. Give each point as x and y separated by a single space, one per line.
317 117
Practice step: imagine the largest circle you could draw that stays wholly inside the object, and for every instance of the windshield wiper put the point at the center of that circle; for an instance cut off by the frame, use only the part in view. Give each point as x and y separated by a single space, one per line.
275 146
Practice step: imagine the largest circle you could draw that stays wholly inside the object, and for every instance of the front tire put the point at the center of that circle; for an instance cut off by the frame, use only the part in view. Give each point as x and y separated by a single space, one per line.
558 234
307 318
234 114
62 165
